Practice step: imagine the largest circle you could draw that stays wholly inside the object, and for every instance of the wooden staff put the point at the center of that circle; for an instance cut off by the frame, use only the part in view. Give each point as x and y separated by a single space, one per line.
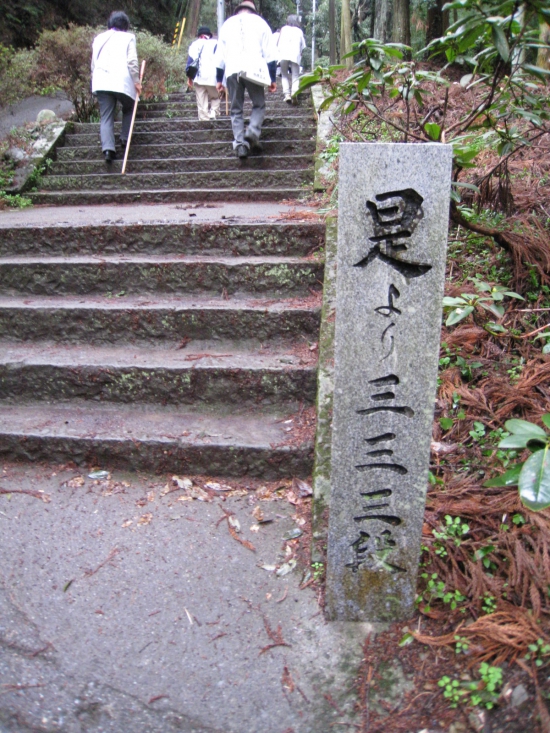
133 120
226 102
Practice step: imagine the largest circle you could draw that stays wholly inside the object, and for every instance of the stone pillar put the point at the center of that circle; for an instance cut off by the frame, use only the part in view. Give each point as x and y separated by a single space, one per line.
393 216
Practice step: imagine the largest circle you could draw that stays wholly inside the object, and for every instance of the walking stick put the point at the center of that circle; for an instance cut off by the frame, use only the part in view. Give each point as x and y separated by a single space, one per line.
133 120
226 102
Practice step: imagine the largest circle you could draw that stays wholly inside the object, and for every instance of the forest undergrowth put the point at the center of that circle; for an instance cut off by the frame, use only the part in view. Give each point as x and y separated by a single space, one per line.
478 647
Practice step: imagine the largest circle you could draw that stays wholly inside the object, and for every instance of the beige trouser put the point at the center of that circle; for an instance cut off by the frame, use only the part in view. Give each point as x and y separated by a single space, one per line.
207 98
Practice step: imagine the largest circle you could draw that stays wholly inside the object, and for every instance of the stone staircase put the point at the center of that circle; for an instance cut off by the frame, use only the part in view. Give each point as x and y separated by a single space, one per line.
158 343
176 157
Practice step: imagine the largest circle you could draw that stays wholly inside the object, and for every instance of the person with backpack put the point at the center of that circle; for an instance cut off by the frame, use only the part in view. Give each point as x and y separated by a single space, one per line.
201 74
247 58
290 45
115 78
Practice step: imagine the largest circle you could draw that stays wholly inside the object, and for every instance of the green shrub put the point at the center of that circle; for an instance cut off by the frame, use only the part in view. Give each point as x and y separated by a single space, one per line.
63 61
16 74
165 66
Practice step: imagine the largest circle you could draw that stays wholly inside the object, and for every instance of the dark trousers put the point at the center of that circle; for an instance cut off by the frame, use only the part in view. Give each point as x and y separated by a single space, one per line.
236 88
107 107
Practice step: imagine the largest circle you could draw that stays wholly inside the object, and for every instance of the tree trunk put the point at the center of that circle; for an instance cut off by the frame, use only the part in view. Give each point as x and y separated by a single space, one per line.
401 27
192 21
543 56
345 37
438 21
382 20
332 30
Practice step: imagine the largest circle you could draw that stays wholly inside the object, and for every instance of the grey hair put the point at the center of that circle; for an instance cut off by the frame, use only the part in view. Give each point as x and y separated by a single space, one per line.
293 20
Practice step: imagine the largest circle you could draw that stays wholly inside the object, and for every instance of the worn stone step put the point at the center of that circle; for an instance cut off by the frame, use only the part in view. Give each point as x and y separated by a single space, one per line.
131 319
229 374
221 179
222 124
196 136
164 196
189 112
189 99
304 98
159 274
202 150
153 438
181 165
238 238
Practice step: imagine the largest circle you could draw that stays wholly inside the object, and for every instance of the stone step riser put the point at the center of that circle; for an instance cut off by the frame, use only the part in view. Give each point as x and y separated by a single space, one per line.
196 136
119 326
190 150
304 98
182 165
189 112
218 179
269 463
237 239
190 385
279 279
223 124
174 196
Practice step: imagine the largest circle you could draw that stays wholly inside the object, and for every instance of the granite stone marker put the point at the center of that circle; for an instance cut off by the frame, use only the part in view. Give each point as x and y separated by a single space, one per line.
393 214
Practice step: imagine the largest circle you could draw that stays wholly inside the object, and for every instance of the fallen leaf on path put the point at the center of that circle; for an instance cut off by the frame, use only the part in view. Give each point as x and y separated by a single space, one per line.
213 486
99 474
301 488
74 483
293 534
182 483
197 493
127 523
286 568
234 522
258 513
145 518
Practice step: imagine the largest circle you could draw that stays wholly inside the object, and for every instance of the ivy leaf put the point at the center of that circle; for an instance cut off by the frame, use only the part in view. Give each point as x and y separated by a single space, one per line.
534 481
546 419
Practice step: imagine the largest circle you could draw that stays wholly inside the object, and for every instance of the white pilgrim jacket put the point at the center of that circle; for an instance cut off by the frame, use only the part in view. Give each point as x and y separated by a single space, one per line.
115 65
244 38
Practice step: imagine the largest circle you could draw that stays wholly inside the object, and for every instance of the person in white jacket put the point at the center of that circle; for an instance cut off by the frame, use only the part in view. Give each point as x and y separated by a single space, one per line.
290 45
201 55
115 78
245 41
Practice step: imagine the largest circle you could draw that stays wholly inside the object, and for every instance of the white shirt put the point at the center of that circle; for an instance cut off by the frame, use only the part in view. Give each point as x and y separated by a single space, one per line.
291 44
206 47
244 37
115 63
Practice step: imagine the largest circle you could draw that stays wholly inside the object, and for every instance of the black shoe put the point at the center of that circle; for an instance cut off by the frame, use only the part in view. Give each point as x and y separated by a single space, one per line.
123 144
241 151
109 155
253 141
